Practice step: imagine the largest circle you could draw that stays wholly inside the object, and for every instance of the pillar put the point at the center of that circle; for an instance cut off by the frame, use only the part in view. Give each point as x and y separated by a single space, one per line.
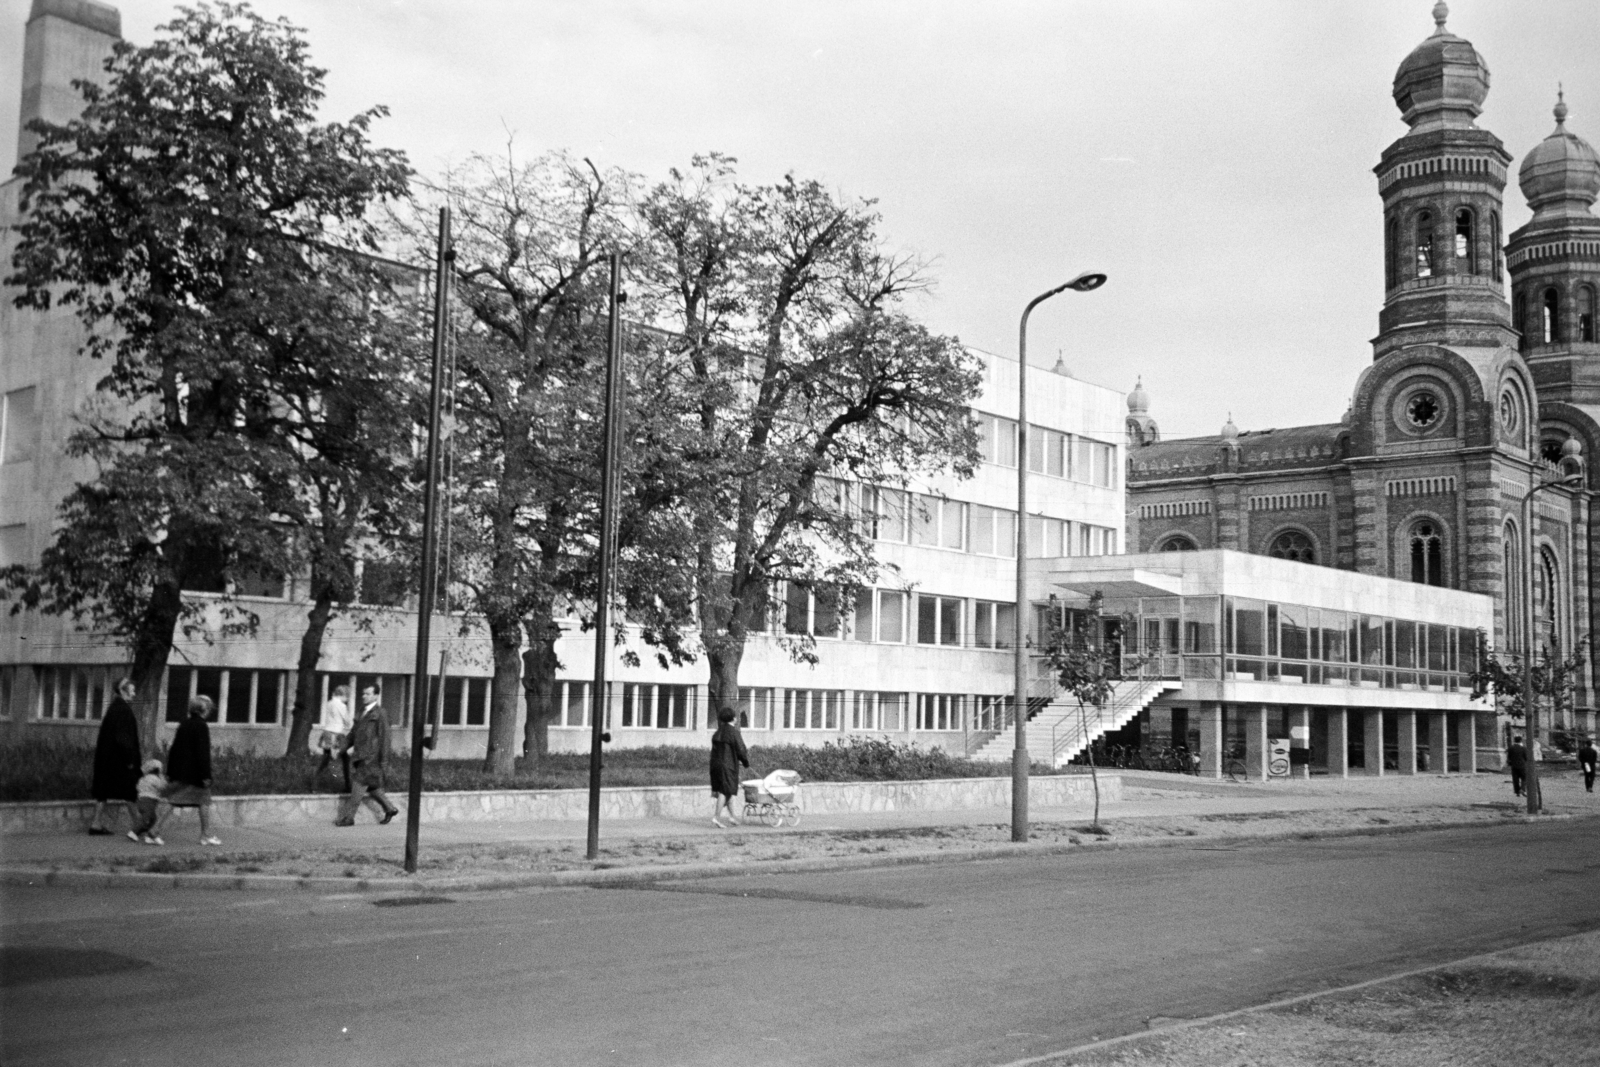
1406 738
1439 743
1300 737
1210 740
1372 738
1338 743
1467 741
1255 741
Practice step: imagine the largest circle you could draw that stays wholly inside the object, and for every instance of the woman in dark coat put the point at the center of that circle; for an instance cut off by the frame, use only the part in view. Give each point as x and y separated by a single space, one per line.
116 758
189 766
728 754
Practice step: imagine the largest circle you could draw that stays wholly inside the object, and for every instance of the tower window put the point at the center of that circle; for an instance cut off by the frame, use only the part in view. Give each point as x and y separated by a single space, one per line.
1391 254
1466 261
1292 544
1494 242
1425 245
1549 321
1519 317
1586 311
1427 554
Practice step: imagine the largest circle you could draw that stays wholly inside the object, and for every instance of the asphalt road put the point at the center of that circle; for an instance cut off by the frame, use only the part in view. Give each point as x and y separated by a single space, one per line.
975 963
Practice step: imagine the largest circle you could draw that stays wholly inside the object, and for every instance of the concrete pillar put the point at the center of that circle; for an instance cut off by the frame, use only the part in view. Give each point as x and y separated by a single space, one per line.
1210 741
1467 740
1406 736
1439 742
1300 737
1255 741
1372 738
1338 743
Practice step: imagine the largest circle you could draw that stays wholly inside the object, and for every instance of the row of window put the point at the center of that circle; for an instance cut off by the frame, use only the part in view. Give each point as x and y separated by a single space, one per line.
899 517
1460 240
1060 455
894 616
1549 326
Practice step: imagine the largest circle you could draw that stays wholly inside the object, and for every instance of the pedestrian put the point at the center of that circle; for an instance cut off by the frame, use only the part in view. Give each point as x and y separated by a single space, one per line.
116 759
189 765
1517 760
336 720
152 786
368 748
1587 756
728 754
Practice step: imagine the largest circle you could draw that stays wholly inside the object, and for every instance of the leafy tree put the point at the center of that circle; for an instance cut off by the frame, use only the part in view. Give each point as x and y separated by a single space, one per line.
1088 666
809 383
188 215
1555 679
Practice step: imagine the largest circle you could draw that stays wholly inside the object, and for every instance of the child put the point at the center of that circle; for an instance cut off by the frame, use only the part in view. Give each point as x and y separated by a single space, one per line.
151 784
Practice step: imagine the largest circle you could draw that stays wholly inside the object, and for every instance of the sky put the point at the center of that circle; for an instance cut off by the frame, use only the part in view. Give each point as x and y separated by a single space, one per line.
1213 157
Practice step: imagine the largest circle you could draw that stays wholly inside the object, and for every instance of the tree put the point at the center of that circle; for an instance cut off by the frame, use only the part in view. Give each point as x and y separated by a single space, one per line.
1555 679
811 388
188 214
1088 666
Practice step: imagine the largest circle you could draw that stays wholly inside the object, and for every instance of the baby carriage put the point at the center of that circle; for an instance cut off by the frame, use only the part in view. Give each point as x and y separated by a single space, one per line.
773 798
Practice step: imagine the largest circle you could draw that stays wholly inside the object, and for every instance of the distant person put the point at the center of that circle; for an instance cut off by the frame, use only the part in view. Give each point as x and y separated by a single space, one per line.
116 759
728 754
336 721
368 748
189 765
152 787
1517 760
1587 756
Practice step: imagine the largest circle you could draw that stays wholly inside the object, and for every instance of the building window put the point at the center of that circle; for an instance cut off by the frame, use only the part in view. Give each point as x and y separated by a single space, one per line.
74 692
1425 245
756 710
939 620
886 513
242 697
939 523
1549 317
994 624
1519 316
657 707
1546 598
19 426
1391 254
1422 410
573 704
1427 554
1466 260
1292 544
1586 310
1494 242
997 440
1511 560
811 611
1510 412
1178 543
940 711
812 709
884 712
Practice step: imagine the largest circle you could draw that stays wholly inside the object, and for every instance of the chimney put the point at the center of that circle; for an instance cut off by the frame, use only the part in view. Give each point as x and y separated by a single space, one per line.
67 40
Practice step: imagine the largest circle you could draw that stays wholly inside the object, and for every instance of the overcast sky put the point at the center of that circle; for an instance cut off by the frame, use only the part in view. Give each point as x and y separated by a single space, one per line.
1214 158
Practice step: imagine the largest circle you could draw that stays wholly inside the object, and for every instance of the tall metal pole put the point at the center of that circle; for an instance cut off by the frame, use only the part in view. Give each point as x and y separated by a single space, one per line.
1019 755
610 465
430 538
1530 700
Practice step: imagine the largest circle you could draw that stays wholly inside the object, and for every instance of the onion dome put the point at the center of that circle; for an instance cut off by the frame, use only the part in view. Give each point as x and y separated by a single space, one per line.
1230 432
1139 400
1562 173
1443 81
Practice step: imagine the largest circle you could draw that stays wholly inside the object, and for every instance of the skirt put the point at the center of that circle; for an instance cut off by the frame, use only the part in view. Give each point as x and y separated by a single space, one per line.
184 795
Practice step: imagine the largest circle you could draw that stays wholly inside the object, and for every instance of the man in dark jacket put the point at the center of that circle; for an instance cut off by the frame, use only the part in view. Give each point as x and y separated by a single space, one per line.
1517 760
1587 757
368 747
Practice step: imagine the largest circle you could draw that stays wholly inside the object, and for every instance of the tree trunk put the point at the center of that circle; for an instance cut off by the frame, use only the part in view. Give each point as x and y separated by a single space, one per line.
539 666
152 643
505 638
724 657
306 689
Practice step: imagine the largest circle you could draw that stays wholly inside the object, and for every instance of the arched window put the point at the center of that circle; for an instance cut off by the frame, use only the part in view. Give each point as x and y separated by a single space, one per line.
1466 259
1546 598
1425 245
1512 605
1519 317
1586 311
1178 543
1550 317
1292 544
1494 242
1427 553
1391 254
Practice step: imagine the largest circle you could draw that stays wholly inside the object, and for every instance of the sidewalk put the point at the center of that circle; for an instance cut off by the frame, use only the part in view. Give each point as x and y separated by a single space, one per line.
1153 806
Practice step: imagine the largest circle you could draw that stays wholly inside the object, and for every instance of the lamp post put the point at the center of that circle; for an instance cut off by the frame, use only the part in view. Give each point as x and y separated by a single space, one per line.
1530 701
1083 283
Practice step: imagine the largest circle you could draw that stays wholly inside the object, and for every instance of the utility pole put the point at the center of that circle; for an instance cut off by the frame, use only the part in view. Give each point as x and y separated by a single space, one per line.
430 537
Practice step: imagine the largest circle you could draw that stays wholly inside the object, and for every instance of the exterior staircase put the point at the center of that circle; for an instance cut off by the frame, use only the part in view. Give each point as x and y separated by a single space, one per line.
1058 730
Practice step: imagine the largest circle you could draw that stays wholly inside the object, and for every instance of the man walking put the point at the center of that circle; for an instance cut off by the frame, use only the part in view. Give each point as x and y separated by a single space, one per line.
1587 756
368 748
1517 760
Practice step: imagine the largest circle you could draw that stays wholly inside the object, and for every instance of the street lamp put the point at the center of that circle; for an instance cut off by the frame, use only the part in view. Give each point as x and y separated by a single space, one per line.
1530 704
1083 283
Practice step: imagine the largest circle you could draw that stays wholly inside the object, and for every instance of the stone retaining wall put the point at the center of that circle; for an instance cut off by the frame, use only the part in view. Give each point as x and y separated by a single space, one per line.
643 802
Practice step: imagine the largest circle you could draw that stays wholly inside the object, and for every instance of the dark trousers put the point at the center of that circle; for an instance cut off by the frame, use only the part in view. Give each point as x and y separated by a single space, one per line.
327 759
1588 777
1518 777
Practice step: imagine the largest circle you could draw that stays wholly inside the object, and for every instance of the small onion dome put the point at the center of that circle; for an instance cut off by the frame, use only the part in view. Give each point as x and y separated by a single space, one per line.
1571 448
1443 81
1139 400
1562 173
1230 432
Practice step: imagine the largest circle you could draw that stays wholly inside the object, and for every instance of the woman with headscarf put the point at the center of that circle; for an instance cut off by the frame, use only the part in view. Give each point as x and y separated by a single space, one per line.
727 755
116 759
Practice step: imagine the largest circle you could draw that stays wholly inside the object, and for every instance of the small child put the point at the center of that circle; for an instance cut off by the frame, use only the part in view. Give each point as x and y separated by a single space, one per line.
151 785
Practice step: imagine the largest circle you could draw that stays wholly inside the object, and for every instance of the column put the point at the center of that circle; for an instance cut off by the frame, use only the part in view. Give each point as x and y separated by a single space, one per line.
1255 741
1372 738
1467 740
1338 743
1406 736
1210 741
1439 742
1300 737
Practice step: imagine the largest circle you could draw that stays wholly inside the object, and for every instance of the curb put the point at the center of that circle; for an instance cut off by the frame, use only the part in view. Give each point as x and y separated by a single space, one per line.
622 876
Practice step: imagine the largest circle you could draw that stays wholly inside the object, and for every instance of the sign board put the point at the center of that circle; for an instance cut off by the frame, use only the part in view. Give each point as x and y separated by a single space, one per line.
1278 757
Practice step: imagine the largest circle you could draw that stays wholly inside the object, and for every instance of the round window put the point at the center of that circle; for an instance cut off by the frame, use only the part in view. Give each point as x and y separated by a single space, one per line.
1510 411
1422 410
